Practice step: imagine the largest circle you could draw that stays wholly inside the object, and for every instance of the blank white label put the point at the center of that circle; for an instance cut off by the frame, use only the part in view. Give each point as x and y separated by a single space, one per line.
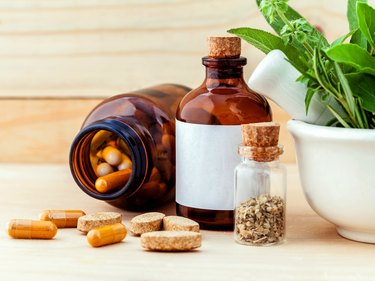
206 156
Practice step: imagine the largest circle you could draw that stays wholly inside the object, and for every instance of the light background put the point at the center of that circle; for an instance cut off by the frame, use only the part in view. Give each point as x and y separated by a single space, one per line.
59 58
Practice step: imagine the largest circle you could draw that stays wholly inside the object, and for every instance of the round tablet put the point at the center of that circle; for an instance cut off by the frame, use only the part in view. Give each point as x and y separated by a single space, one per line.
171 240
179 223
88 222
146 222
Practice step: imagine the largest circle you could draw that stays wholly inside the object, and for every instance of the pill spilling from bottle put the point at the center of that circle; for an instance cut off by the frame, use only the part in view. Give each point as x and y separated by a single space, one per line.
31 229
62 218
106 235
157 232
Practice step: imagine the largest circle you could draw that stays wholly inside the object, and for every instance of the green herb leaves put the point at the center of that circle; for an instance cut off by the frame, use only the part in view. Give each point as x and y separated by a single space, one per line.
366 22
363 86
352 14
357 37
262 40
278 17
270 8
298 29
353 55
342 71
267 42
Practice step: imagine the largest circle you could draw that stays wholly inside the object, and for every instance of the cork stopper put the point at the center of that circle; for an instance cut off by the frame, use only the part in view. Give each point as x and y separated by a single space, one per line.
224 47
262 134
260 141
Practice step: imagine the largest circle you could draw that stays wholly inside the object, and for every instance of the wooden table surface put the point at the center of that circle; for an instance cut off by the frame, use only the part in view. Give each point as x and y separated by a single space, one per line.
313 250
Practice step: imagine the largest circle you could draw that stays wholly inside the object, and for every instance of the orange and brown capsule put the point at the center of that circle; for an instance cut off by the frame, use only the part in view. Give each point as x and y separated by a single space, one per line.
62 218
105 235
31 229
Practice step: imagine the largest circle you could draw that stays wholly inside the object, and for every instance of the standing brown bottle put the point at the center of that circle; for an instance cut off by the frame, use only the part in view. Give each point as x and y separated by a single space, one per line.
208 132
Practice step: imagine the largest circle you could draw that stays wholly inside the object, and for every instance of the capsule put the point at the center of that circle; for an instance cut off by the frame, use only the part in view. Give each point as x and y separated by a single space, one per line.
113 181
112 155
105 235
122 146
126 163
103 169
62 218
31 229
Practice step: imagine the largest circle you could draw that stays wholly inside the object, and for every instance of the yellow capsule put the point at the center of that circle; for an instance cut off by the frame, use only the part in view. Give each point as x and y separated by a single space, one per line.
108 234
113 181
98 140
112 155
31 229
126 163
62 218
122 146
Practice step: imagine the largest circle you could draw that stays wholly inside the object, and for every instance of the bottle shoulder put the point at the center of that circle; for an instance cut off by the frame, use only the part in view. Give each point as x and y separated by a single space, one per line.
223 105
129 106
155 103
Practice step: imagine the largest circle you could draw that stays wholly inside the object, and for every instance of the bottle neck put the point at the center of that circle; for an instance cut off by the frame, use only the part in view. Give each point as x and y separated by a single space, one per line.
82 169
224 72
260 154
250 161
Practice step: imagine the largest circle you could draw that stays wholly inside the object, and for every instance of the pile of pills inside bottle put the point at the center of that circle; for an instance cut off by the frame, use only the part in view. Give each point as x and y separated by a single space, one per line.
110 159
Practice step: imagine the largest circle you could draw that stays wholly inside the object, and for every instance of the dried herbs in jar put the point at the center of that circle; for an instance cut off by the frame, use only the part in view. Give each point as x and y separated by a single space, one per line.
260 221
260 182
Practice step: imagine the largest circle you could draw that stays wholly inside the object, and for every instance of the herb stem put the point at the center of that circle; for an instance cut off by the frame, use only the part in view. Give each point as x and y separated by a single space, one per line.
284 19
307 46
309 49
327 86
331 90
322 75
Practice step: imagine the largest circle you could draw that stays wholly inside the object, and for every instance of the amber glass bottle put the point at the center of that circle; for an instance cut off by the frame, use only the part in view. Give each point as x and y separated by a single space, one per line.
125 151
208 133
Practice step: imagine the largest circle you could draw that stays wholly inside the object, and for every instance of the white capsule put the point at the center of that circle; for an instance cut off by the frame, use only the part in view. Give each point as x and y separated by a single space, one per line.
103 169
112 155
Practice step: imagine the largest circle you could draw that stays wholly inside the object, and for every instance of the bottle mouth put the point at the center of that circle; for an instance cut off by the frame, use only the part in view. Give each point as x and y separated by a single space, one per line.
224 63
86 155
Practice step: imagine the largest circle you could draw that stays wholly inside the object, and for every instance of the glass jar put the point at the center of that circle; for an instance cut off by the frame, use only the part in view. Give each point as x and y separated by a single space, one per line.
260 196
208 130
125 151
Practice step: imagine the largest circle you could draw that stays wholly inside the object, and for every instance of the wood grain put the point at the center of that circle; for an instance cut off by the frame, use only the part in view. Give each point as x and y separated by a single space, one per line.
96 48
42 130
81 51
313 250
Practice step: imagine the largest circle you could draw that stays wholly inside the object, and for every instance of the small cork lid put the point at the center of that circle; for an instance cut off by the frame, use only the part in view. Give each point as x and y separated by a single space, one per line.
260 141
224 47
262 134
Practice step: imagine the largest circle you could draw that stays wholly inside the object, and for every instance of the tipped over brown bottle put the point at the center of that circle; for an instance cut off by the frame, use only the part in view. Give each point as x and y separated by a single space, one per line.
124 153
208 132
